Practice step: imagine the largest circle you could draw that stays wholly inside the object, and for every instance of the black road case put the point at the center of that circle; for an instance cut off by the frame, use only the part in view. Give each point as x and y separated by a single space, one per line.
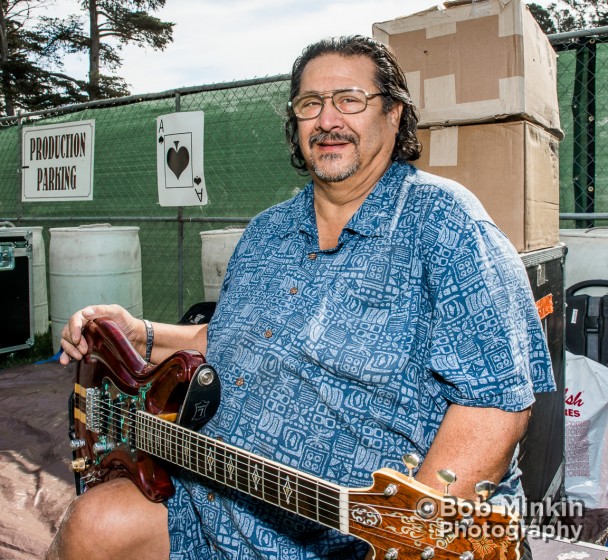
17 318
542 450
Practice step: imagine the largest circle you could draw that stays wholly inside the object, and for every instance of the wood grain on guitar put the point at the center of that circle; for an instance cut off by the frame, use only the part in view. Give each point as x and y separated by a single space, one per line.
122 412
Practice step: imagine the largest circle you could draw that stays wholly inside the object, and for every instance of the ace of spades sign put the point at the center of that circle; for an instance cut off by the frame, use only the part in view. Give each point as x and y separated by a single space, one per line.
180 159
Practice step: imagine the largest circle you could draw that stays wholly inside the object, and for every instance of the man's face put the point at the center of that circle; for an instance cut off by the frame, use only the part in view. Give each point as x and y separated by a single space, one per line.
338 147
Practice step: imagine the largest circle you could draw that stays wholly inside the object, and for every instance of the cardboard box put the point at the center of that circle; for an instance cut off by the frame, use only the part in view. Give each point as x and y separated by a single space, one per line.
512 167
476 62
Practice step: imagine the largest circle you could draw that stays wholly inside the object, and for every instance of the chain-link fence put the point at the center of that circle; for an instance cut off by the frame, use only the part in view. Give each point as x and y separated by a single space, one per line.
246 163
247 167
582 82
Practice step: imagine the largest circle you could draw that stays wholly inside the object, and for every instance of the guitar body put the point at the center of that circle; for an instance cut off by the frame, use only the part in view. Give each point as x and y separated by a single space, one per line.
118 382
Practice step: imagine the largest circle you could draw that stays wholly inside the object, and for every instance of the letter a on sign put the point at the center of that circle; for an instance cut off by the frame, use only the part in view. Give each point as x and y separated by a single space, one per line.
179 159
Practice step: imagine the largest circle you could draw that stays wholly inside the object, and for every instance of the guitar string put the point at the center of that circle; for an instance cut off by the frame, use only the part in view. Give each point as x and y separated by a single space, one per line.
304 491
177 431
116 412
114 417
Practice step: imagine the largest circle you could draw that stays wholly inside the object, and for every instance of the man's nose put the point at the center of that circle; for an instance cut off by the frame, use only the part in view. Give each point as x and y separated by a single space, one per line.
329 117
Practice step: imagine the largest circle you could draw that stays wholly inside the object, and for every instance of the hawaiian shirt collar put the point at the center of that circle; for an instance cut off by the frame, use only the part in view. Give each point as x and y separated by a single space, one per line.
372 219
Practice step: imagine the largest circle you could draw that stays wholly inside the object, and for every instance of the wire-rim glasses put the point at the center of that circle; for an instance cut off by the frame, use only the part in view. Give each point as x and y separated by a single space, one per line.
348 101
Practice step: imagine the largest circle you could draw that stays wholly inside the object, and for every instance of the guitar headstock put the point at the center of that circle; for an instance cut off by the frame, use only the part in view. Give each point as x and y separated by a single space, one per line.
405 519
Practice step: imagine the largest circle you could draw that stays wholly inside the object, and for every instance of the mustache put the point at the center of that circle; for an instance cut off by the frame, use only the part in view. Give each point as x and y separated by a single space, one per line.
332 137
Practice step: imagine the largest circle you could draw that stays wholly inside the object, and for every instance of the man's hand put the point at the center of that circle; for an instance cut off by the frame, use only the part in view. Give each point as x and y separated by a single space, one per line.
75 346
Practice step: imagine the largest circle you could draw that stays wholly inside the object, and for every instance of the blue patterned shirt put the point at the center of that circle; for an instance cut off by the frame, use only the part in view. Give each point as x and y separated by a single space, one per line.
337 362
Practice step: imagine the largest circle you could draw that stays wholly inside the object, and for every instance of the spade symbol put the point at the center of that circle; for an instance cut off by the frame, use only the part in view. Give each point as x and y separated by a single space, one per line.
178 160
197 180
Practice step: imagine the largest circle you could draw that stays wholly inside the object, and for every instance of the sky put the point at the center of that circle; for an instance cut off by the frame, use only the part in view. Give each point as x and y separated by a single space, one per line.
218 41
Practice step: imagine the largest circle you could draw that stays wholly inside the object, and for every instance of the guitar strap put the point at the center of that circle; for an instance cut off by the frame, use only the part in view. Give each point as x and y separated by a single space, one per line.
202 399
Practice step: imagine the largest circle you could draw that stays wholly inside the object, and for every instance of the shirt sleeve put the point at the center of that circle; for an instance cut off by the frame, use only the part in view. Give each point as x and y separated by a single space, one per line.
488 348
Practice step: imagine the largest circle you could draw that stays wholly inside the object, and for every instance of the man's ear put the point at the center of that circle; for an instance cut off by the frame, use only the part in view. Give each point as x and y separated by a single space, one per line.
395 115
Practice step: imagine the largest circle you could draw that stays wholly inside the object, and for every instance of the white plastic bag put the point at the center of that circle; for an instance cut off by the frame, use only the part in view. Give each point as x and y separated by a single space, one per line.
586 409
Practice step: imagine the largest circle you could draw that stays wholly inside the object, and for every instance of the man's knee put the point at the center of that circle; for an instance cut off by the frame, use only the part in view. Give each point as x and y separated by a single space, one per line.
107 516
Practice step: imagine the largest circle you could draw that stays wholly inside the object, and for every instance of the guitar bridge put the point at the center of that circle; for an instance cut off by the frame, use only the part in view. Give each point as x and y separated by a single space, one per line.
93 416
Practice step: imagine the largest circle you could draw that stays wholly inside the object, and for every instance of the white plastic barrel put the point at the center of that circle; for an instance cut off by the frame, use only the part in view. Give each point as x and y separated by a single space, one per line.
217 247
93 264
38 291
587 257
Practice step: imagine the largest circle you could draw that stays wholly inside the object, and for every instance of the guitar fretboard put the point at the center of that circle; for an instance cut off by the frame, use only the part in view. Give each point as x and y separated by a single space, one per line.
282 486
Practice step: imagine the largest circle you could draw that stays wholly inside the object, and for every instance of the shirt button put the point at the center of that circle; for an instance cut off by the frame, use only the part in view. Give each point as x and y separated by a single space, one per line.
293 291
239 382
312 256
267 333
211 497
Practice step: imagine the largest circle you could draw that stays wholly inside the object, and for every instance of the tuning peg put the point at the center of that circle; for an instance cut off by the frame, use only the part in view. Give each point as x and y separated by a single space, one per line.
446 477
411 461
484 489
428 553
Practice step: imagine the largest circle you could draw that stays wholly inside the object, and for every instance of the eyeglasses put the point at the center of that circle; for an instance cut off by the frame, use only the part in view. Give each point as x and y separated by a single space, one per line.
347 101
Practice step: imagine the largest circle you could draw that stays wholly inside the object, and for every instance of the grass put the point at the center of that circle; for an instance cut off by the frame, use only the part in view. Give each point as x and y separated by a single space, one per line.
41 350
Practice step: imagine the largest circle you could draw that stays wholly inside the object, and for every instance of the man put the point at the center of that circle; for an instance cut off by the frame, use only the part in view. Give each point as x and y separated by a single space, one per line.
379 312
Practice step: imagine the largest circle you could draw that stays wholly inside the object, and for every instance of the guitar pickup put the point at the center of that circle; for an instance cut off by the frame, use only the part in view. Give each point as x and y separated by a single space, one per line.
93 414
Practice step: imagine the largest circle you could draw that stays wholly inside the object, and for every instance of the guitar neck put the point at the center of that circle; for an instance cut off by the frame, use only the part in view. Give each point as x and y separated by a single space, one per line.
287 488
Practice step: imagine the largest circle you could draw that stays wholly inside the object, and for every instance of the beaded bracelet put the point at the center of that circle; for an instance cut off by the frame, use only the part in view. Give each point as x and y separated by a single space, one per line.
149 339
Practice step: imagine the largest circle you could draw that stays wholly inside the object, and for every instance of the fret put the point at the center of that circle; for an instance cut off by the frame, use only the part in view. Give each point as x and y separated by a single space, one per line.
271 483
243 475
328 498
165 435
180 440
308 498
161 443
197 448
177 450
187 450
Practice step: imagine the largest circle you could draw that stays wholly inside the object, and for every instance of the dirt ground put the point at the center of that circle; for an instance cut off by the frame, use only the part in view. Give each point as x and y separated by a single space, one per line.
35 483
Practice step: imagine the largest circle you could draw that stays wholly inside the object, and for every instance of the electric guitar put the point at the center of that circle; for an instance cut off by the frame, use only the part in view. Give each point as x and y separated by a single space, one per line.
129 419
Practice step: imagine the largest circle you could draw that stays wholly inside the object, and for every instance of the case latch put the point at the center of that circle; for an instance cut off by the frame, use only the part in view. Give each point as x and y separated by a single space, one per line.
7 256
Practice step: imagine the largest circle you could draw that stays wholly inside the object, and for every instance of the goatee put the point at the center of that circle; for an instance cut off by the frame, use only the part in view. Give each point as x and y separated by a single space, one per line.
334 173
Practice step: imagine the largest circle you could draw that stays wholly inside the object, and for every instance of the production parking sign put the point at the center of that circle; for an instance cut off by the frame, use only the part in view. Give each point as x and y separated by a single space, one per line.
57 162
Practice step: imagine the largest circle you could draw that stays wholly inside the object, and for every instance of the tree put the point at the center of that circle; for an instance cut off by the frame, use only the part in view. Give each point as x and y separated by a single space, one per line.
570 15
25 80
122 22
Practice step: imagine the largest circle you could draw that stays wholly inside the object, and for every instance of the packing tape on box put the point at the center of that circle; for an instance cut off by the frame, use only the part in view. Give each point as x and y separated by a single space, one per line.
444 147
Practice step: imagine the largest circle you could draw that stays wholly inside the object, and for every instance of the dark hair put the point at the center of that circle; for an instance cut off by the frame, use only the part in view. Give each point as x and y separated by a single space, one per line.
389 79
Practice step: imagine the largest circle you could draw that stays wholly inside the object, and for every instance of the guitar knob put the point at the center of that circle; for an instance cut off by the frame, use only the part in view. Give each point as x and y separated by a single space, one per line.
205 376
484 489
104 447
427 553
446 477
77 444
411 461
468 555
80 465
